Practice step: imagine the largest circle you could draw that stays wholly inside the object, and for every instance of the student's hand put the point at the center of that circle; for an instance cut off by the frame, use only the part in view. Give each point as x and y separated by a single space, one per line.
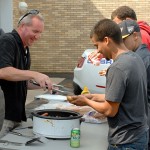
79 100
103 72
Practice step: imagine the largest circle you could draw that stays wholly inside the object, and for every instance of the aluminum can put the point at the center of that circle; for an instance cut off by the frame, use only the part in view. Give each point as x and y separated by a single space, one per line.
75 138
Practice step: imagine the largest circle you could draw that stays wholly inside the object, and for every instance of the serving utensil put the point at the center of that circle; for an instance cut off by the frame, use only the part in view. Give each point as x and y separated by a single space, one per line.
20 134
6 142
57 88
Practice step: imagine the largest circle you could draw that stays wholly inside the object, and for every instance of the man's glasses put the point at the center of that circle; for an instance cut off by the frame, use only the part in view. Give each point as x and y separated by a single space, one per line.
34 12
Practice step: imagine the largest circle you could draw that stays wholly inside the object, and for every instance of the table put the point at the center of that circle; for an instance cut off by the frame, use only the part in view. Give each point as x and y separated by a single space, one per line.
93 137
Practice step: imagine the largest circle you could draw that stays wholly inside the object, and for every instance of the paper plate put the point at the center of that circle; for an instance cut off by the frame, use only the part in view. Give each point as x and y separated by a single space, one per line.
52 97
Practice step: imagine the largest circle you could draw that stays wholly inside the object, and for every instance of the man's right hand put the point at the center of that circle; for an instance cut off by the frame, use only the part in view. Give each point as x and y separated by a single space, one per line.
44 81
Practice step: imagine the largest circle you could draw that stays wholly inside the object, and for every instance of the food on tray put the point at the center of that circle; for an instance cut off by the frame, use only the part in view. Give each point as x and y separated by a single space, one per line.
80 109
45 114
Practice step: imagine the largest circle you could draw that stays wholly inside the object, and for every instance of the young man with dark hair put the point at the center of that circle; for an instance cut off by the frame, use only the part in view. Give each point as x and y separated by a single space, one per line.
125 12
122 13
124 102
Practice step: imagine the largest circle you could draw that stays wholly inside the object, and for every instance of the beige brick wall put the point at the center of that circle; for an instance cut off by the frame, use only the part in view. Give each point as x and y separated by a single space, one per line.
67 27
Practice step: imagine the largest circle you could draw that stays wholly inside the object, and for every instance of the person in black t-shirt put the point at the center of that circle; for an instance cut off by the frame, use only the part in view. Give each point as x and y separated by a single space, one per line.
14 68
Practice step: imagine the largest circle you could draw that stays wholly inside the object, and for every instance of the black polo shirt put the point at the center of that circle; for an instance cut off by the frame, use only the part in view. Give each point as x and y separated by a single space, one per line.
13 53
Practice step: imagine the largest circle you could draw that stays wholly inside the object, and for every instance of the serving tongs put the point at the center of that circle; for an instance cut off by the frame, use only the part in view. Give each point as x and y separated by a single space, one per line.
57 88
6 142
20 134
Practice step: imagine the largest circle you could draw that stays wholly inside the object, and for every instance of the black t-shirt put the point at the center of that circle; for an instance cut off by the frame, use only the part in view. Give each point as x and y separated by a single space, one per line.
13 53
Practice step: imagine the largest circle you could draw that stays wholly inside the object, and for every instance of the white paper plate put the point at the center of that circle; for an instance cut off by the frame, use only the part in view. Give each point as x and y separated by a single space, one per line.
54 105
52 97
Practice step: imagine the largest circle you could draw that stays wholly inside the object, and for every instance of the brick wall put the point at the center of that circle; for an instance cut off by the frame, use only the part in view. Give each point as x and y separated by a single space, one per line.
67 27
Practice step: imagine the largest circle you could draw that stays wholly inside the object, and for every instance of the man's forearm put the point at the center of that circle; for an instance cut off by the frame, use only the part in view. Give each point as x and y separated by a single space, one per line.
96 97
13 74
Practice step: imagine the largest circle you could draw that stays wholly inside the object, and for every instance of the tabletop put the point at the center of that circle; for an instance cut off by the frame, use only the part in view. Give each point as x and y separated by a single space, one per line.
93 136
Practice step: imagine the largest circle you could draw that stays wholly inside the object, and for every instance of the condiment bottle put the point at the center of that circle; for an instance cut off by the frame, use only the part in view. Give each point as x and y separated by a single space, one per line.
85 90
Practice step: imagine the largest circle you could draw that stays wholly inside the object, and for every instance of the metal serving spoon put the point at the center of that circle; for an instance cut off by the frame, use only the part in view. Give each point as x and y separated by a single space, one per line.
20 134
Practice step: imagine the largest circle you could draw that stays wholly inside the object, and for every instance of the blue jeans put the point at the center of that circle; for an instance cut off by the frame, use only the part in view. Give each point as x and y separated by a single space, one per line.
140 144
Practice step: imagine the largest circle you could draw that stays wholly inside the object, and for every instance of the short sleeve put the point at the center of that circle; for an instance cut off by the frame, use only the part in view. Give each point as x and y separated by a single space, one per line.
115 84
7 51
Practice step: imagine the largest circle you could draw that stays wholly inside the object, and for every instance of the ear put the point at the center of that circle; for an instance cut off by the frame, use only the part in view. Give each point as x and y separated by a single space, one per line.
135 35
106 40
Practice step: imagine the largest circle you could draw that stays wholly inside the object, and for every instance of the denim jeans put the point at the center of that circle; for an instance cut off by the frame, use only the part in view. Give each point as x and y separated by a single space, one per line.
140 144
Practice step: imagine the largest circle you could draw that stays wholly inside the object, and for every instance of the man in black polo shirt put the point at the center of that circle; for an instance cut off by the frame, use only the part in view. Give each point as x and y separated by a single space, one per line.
14 68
